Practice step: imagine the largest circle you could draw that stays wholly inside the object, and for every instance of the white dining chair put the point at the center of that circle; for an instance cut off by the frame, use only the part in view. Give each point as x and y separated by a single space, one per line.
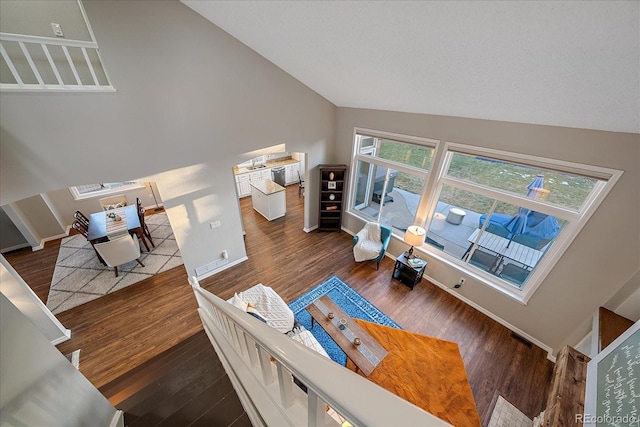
118 251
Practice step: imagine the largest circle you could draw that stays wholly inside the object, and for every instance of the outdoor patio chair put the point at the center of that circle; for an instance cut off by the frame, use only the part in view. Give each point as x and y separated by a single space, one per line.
484 260
514 274
432 242
498 230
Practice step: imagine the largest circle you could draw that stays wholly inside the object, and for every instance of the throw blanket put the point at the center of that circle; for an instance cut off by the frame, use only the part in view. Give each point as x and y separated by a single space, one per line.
369 244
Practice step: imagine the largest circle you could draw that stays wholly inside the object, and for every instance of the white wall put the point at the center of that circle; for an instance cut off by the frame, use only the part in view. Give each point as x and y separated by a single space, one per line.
39 385
190 101
602 258
23 297
10 237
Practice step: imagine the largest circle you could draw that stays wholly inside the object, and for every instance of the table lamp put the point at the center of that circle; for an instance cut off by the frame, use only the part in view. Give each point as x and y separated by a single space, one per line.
414 236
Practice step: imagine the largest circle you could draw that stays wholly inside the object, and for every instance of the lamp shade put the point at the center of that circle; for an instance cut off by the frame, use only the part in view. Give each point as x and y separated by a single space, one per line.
415 235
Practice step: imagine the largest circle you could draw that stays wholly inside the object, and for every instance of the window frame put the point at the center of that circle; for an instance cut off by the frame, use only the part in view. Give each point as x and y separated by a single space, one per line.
388 164
576 218
105 192
435 179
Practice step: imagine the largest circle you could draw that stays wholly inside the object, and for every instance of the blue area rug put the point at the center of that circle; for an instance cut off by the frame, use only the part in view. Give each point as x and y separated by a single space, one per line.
347 299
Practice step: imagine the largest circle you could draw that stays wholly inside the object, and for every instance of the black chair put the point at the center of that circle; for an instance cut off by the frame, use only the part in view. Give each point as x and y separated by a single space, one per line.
81 227
82 218
143 224
84 230
484 260
300 185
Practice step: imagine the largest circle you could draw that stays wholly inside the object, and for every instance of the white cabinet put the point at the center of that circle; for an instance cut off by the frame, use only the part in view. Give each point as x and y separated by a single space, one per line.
291 173
243 184
295 171
269 199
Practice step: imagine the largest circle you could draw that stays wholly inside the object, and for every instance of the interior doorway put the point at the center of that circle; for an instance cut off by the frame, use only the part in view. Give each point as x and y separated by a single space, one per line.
288 168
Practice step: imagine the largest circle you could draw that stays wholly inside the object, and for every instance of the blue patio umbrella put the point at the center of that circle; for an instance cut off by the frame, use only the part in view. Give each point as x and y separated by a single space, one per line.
518 223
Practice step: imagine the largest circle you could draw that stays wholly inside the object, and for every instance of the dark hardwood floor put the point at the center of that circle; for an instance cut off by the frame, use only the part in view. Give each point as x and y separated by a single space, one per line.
126 332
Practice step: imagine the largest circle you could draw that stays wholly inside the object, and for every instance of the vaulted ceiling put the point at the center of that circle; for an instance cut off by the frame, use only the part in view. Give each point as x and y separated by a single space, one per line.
573 63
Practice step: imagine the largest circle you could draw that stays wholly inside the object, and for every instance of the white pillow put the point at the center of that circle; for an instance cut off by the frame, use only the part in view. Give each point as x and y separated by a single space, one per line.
238 302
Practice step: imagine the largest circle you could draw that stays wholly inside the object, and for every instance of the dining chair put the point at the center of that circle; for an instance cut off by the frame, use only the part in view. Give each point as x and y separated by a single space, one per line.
81 227
143 224
300 185
84 230
82 218
118 251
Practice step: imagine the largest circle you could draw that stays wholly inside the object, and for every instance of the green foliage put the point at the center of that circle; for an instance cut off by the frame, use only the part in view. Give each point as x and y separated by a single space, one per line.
564 189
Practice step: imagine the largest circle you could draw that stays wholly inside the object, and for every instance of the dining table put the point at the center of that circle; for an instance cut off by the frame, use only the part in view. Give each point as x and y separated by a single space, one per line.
505 248
101 225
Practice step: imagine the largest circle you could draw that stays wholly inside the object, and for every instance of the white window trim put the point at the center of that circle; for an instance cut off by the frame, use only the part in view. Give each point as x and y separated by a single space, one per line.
577 219
356 156
105 192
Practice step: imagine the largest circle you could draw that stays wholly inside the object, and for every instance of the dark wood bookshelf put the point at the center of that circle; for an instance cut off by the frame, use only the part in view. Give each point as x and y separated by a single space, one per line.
331 206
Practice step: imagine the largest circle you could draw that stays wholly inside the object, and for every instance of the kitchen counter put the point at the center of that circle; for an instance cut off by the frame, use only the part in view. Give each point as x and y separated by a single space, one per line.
269 164
267 186
269 199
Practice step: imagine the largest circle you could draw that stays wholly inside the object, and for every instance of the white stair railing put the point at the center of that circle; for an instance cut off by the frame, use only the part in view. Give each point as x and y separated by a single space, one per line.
262 362
49 64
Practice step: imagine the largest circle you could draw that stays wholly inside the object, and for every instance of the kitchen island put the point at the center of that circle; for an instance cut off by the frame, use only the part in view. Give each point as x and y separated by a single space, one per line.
269 199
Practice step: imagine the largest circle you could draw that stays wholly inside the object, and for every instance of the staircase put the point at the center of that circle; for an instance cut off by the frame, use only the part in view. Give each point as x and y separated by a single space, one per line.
186 385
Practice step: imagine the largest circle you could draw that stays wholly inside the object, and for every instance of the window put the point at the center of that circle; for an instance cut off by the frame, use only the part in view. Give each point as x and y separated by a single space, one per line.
502 217
103 189
390 172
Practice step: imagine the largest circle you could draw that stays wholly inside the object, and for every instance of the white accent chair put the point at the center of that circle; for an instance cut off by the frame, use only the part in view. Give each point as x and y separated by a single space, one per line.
113 202
118 251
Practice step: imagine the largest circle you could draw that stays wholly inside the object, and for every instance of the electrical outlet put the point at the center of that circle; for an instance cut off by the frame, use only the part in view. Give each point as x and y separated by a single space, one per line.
57 29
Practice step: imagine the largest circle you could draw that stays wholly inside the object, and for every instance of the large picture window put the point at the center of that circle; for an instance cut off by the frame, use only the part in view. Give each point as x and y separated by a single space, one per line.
502 217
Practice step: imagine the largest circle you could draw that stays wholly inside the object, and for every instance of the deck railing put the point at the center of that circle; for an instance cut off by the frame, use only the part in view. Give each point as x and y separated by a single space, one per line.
262 363
32 63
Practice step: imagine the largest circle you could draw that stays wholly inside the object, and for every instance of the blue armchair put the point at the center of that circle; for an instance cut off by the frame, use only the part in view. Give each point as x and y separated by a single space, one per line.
385 237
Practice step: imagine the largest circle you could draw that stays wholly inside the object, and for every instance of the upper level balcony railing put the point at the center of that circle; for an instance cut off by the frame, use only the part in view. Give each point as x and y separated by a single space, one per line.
31 63
262 363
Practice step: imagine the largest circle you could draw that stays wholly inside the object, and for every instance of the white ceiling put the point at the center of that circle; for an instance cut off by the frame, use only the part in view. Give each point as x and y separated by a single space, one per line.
573 63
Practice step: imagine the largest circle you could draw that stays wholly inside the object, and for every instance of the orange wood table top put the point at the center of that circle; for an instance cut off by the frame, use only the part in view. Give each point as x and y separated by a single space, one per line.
426 371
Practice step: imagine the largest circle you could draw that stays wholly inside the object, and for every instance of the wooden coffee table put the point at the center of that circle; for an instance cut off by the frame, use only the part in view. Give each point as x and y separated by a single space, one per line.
365 356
